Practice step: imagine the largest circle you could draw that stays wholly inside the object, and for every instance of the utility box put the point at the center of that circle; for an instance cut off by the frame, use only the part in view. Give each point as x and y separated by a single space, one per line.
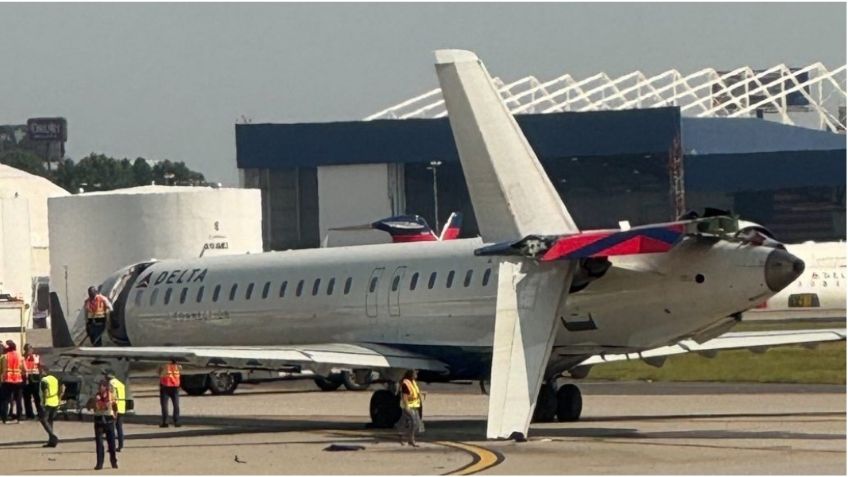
13 320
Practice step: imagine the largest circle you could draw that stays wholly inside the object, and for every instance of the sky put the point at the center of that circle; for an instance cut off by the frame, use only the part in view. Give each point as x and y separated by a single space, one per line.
169 81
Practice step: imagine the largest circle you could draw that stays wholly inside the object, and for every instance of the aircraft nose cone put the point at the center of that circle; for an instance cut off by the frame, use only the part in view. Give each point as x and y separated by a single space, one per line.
782 268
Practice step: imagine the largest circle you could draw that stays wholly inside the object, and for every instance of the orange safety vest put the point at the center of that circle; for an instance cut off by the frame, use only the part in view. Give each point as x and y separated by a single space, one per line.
13 368
169 375
31 364
103 404
95 308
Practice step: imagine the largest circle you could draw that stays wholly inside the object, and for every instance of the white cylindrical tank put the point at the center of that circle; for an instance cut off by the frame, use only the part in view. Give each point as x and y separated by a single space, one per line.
15 248
92 235
37 190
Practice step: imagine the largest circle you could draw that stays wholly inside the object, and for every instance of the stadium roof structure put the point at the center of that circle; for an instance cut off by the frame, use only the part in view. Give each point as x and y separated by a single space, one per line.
779 92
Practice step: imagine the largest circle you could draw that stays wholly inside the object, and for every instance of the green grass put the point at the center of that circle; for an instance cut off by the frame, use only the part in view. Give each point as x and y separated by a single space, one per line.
786 364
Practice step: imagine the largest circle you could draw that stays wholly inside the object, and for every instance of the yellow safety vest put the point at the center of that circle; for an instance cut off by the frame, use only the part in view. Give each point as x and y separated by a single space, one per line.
51 395
120 394
413 399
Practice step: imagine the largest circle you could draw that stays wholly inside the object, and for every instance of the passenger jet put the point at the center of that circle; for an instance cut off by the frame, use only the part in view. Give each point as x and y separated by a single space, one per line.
532 298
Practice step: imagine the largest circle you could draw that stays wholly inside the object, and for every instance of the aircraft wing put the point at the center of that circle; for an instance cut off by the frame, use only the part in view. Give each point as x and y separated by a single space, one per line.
317 357
752 340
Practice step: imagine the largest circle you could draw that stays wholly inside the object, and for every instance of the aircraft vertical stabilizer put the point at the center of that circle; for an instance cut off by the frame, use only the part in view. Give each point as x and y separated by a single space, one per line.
510 191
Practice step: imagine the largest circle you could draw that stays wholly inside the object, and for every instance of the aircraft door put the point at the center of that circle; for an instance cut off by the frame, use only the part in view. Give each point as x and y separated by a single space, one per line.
394 291
373 291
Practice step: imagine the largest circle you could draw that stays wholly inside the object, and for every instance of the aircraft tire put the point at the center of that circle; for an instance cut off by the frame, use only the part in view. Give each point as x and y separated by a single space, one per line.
384 409
223 383
569 403
546 405
194 384
325 384
349 380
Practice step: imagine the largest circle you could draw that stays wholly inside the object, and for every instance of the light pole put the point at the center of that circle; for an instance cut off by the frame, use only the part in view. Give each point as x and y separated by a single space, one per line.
434 165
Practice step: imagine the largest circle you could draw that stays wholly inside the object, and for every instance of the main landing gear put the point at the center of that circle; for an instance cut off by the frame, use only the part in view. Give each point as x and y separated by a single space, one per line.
564 404
384 408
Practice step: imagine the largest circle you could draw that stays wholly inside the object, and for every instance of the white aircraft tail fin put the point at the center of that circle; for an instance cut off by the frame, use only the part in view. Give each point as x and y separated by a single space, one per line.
510 191
513 198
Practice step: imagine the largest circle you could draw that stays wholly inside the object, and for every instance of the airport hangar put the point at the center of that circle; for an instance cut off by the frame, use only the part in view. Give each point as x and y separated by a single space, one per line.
720 145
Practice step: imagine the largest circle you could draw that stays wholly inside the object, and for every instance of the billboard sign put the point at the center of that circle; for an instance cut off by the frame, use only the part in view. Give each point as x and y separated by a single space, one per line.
47 129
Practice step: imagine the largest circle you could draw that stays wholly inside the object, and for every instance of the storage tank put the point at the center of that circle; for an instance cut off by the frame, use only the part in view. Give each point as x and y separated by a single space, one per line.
15 182
94 234
15 247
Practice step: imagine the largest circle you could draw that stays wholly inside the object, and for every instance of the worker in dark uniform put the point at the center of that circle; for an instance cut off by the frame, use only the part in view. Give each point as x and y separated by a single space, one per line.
32 383
169 388
50 398
97 308
105 407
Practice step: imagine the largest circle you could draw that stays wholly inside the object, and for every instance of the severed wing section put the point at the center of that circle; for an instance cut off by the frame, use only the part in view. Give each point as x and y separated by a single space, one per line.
317 358
752 340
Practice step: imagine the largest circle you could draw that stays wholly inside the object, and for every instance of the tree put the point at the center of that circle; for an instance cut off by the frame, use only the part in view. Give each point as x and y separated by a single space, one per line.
142 172
24 160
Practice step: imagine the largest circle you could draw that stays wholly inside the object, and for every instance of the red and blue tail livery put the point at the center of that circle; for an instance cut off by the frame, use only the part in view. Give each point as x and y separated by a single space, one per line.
656 238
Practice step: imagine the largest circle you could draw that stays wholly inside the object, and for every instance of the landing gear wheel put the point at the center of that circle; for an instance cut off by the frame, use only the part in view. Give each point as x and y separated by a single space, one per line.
350 382
222 383
546 405
194 384
384 408
569 403
327 384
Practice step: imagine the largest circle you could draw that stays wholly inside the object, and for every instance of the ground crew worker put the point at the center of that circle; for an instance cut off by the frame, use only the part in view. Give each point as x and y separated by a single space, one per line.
169 388
32 382
120 392
12 376
50 392
410 403
97 309
104 406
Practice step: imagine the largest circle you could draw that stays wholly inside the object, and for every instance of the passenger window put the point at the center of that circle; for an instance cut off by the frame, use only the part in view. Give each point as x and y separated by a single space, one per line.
315 286
153 296
266 289
233 291
200 294
168 295
183 295
432 281
283 289
486 275
216 292
395 283
249 292
449 282
467 281
413 282
347 285
138 296
373 284
330 286
299 288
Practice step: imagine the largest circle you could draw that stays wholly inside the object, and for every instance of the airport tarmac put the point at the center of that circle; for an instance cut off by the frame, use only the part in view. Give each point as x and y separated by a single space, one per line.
628 428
